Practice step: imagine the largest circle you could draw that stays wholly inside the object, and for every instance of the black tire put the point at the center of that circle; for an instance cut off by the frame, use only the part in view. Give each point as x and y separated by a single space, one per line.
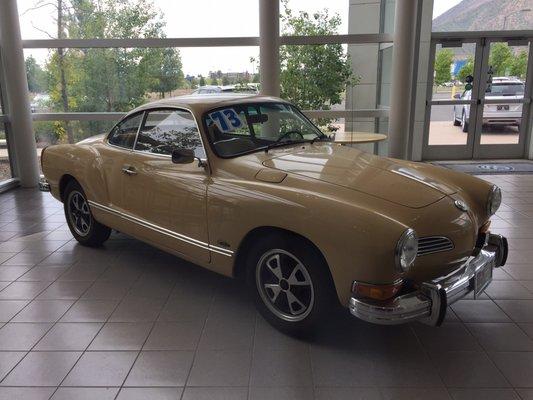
455 121
88 232
279 313
464 122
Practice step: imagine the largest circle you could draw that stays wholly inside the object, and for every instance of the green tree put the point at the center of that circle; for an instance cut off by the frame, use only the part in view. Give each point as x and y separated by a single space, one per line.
201 81
225 80
466 69
313 76
111 79
518 66
443 65
164 70
500 59
36 76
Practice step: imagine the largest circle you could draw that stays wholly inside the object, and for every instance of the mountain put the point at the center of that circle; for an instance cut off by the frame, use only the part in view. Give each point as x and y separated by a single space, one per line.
486 15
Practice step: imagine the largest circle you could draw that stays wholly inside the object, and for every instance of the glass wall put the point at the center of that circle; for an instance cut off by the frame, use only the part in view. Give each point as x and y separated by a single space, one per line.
160 18
101 80
133 76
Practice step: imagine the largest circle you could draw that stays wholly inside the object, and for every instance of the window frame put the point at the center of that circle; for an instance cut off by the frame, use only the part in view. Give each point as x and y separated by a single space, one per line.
146 111
132 115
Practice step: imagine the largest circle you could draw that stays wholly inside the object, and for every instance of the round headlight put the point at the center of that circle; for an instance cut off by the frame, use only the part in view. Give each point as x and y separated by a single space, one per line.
495 200
406 250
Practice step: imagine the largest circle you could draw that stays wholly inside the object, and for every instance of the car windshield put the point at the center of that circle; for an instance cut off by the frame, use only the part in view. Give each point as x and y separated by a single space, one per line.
245 128
506 89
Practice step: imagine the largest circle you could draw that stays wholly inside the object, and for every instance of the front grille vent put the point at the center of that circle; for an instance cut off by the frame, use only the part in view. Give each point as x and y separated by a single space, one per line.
433 244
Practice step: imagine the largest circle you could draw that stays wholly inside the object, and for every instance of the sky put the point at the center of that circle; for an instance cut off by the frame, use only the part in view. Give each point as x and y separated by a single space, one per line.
200 18
441 6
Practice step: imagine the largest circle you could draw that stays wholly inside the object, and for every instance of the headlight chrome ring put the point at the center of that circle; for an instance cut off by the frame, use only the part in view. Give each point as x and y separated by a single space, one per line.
406 250
495 200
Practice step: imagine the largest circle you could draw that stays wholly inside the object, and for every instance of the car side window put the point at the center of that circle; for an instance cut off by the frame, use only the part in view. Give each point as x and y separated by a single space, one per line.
166 130
123 134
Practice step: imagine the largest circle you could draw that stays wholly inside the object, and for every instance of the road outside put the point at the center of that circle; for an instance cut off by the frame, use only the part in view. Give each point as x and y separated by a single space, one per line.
443 132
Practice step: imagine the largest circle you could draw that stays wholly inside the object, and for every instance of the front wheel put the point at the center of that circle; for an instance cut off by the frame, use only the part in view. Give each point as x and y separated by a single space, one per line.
85 229
291 283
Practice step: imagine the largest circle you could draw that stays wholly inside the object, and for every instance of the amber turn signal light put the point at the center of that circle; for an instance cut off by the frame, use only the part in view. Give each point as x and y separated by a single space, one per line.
377 292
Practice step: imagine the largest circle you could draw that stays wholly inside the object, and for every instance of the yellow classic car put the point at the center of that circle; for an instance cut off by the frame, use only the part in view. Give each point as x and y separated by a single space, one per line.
248 187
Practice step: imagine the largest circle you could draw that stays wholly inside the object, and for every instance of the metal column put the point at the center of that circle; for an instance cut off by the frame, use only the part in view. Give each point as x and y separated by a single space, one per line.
22 140
402 76
269 46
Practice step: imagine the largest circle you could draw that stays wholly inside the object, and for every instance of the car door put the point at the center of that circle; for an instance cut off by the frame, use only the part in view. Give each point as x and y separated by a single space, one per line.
108 205
169 200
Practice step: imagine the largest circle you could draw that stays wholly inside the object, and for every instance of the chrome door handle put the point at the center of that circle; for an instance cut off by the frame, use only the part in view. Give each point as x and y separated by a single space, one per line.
129 171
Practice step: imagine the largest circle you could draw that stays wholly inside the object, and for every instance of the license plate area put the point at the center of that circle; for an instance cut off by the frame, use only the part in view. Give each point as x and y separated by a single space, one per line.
482 278
503 107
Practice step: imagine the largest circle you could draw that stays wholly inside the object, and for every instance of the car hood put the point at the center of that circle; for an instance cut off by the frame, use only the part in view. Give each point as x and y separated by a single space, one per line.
404 183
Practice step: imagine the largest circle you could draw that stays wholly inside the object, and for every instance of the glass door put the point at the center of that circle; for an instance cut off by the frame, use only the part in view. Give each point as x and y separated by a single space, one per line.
451 99
478 102
504 106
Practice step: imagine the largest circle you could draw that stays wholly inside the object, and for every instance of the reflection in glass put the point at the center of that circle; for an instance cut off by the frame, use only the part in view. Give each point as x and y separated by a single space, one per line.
166 130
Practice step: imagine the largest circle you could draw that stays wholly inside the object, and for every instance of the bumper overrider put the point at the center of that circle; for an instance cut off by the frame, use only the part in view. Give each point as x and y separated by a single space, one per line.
429 302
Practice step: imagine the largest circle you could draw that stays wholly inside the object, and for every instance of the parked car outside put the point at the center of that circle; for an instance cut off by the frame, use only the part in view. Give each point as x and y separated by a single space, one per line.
251 88
501 114
248 187
40 102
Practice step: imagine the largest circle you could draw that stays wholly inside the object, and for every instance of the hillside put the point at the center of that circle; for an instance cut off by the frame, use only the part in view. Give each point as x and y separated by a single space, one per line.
485 15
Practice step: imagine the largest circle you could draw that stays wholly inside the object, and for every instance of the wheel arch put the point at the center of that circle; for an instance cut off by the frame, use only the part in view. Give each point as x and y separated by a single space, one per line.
63 182
239 268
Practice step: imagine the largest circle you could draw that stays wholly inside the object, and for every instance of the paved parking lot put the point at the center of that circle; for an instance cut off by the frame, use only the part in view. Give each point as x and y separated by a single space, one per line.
128 321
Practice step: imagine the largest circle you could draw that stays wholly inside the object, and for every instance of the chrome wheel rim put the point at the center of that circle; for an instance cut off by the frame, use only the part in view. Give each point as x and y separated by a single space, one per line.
79 213
285 285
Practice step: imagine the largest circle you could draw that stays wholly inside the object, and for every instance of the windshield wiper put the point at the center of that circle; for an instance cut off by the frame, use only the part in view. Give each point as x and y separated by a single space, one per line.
284 143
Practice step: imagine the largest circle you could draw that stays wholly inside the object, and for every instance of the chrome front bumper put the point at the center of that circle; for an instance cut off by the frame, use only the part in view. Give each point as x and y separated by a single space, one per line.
44 186
429 303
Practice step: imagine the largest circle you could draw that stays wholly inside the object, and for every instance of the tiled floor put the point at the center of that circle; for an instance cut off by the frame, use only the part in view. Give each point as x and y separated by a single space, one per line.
129 322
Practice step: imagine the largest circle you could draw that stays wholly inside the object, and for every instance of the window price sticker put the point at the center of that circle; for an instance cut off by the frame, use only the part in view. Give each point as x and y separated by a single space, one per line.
227 120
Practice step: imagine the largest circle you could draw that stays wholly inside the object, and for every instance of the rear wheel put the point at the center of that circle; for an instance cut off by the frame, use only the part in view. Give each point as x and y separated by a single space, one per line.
455 121
85 229
290 282
464 122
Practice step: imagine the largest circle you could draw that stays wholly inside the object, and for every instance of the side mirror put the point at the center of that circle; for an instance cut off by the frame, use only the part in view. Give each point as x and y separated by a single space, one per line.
457 96
183 156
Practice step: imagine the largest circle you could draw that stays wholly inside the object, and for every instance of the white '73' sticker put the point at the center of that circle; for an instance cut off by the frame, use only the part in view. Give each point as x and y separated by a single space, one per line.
227 120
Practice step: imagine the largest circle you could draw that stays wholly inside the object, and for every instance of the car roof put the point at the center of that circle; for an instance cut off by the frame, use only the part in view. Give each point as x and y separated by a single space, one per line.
505 79
199 103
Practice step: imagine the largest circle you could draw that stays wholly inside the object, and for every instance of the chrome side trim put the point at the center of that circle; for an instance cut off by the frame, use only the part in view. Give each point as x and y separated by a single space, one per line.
220 250
161 230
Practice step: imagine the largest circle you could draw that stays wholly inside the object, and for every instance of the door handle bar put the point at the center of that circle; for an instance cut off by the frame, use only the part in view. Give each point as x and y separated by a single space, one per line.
129 171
